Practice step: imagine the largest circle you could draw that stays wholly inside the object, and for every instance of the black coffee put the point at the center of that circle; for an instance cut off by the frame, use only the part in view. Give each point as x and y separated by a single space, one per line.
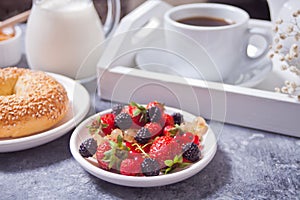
204 21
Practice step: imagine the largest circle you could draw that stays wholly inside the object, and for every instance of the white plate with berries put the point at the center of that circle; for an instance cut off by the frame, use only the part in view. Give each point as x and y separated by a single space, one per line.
143 145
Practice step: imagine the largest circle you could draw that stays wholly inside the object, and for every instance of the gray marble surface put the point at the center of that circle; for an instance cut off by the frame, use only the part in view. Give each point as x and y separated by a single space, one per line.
249 164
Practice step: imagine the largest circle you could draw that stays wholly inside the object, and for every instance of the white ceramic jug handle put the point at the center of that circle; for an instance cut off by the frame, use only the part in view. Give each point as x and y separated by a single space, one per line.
113 16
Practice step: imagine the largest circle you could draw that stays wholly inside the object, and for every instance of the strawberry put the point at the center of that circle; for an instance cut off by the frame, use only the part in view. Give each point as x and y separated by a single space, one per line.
164 148
157 104
168 120
103 125
187 137
100 154
131 167
107 123
196 140
137 113
110 154
154 128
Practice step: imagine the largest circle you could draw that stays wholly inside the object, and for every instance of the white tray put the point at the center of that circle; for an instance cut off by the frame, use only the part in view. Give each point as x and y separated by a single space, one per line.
119 81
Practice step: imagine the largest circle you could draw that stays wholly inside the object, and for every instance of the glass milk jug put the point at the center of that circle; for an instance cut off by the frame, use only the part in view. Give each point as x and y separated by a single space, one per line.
61 34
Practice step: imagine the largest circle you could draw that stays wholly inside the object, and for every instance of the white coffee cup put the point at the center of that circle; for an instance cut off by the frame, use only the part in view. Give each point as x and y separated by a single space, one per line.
224 46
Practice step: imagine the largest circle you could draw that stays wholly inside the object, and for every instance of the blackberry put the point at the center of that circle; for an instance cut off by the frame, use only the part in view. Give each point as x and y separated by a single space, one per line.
123 121
150 167
153 114
178 118
88 148
143 135
191 152
116 109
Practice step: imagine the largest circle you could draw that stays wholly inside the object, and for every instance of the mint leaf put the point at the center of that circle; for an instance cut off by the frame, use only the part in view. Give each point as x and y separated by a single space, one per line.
176 159
180 159
136 112
169 163
107 154
168 170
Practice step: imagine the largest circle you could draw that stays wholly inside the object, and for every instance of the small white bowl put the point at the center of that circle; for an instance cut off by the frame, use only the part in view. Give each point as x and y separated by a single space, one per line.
11 49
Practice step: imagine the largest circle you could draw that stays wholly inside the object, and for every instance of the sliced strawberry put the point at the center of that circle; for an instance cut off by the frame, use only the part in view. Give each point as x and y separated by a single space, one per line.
164 148
131 167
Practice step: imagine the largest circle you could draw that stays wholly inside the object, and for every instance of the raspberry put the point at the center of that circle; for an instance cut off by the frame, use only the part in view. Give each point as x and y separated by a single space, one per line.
191 152
88 148
150 167
123 121
143 135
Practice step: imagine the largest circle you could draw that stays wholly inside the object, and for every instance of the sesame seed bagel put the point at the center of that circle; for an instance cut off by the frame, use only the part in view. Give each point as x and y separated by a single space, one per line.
30 102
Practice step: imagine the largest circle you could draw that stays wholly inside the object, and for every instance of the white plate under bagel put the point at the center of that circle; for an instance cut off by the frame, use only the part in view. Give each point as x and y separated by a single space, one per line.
81 133
78 108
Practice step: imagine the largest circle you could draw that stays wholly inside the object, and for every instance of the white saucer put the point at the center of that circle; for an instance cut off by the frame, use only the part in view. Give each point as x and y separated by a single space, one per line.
81 133
162 61
79 107
252 76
